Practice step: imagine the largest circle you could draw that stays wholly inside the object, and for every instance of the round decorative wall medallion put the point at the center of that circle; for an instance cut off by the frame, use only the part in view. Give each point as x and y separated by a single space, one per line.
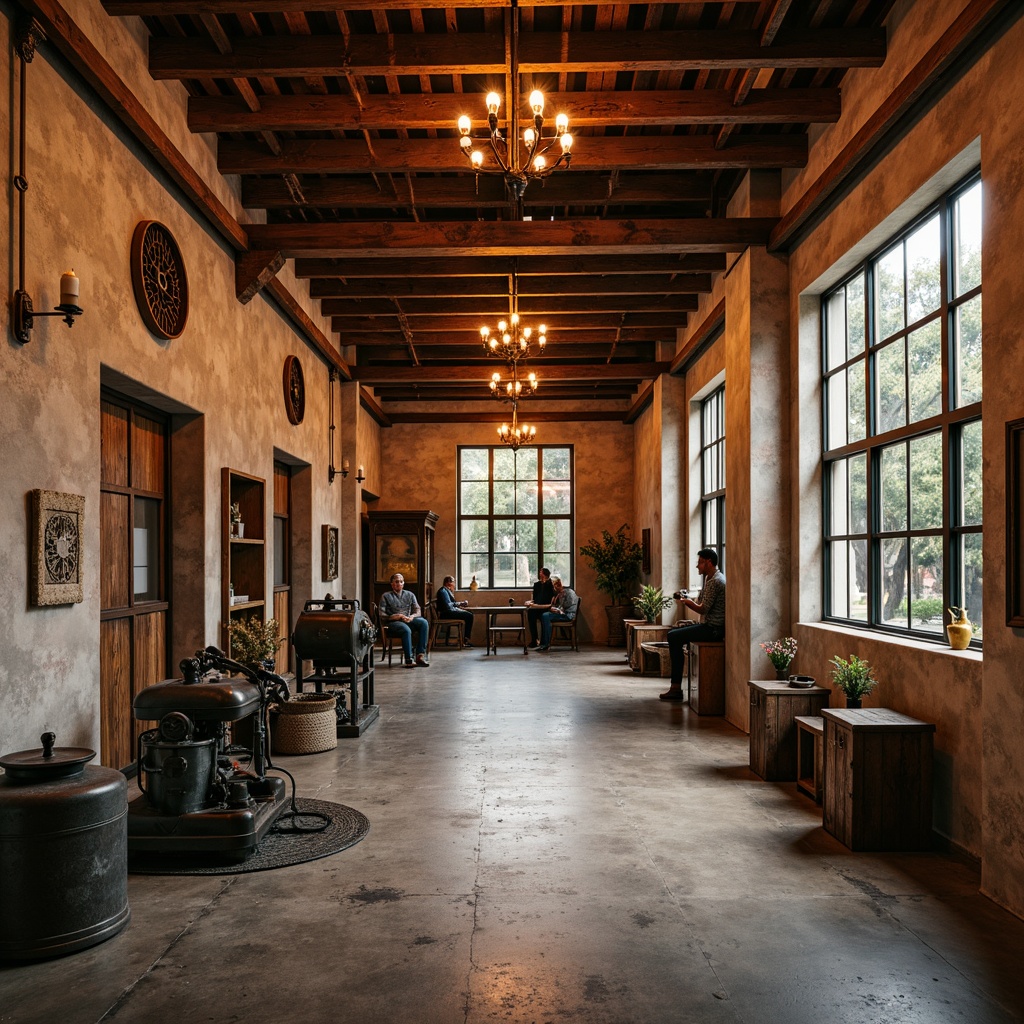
60 547
159 279
294 390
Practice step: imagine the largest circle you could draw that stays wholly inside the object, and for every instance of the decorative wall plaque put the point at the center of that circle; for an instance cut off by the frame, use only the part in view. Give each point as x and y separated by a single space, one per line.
159 279
294 390
56 569
329 550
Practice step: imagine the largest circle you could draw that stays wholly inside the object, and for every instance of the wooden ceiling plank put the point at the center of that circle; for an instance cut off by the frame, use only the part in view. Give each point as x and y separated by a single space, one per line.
529 306
155 8
567 322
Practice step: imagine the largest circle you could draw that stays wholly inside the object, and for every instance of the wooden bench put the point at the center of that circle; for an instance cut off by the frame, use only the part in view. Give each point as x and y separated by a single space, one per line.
810 747
705 677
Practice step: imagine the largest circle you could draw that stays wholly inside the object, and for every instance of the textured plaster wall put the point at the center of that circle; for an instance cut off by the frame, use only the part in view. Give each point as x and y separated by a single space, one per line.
977 704
648 484
88 191
419 472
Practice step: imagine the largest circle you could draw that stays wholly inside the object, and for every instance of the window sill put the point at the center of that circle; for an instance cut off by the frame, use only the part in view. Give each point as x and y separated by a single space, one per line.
903 642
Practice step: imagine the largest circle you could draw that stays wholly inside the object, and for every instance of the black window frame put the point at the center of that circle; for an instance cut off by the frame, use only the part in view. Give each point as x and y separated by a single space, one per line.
712 465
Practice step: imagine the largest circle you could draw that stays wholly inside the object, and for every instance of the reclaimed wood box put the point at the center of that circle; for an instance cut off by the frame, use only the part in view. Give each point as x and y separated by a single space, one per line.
774 707
878 779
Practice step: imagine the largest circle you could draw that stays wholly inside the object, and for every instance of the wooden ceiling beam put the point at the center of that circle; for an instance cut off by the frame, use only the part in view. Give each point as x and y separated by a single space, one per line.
466 354
575 189
512 238
441 110
471 321
471 338
165 8
483 53
401 156
604 372
589 415
580 263
497 286
530 306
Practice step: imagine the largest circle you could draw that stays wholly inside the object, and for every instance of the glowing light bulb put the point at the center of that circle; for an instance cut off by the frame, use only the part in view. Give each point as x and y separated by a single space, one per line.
465 124
466 143
539 163
530 138
493 101
502 326
562 124
566 142
515 319
537 101
476 158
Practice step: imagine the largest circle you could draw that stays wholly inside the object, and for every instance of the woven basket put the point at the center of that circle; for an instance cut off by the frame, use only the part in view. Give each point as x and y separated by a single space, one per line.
306 724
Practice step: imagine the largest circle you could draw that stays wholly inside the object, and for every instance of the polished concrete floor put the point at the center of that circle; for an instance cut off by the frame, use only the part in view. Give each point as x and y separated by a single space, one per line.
550 843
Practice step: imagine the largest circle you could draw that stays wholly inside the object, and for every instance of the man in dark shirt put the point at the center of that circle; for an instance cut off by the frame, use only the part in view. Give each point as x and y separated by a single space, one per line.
543 594
448 608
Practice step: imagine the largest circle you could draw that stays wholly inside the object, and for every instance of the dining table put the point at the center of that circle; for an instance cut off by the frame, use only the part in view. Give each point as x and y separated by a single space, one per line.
495 630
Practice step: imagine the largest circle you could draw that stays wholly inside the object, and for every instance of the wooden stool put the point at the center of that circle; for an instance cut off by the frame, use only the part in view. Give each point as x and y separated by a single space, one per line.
705 677
810 734
643 634
655 659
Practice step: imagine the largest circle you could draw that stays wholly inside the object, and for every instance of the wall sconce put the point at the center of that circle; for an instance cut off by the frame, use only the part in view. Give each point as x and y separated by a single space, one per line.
29 36
359 475
332 471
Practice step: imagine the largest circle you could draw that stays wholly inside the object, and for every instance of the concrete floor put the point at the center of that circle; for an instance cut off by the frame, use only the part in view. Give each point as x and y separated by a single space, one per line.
549 842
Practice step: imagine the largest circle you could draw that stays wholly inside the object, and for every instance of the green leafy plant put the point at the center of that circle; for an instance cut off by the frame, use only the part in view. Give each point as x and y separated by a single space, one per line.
254 641
853 677
651 602
616 559
780 652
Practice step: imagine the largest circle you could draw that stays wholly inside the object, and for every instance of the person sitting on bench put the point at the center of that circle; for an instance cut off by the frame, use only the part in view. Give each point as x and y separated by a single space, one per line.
448 608
543 593
711 606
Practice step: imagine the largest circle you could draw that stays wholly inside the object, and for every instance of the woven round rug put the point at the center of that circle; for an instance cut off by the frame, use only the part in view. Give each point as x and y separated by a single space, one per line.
279 849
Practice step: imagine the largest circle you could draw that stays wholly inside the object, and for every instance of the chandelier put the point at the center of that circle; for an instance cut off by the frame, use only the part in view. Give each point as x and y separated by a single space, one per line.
517 434
514 388
517 167
513 340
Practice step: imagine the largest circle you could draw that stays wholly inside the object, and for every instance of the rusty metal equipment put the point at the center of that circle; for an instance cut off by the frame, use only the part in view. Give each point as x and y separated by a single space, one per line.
338 637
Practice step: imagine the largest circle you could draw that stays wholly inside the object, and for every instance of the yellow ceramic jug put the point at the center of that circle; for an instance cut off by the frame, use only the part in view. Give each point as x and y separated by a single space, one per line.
959 630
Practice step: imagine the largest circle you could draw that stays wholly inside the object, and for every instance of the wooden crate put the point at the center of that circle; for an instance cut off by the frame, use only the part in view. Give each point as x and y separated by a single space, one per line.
774 708
706 677
878 779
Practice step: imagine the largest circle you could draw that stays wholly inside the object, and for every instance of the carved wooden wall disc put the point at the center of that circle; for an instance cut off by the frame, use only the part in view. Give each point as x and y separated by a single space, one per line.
294 390
159 279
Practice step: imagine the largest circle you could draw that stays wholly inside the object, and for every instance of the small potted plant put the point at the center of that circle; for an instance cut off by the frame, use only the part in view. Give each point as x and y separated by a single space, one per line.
651 602
780 654
237 526
253 641
853 677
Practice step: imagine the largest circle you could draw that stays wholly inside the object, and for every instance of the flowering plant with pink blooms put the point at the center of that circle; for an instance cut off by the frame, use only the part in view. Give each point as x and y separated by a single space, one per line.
780 652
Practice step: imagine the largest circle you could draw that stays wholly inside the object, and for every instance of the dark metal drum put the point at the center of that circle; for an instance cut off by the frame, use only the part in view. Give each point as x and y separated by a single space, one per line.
63 852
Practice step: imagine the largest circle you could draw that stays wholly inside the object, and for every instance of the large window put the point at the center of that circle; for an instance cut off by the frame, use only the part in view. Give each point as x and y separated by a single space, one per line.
515 515
712 474
902 419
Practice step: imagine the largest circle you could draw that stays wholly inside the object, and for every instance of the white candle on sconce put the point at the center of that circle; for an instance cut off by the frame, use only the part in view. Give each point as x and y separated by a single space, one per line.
344 465
69 289
360 473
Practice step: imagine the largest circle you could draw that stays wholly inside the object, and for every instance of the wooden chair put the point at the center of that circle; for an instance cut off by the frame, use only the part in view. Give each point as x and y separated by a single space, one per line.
439 625
567 630
387 641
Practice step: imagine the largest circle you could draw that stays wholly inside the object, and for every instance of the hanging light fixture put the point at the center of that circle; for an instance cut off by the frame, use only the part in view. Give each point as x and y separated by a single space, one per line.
517 167
513 340
517 434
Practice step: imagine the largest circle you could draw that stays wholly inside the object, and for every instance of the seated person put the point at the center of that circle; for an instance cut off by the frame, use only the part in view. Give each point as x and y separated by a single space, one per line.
400 612
543 592
711 605
448 608
562 609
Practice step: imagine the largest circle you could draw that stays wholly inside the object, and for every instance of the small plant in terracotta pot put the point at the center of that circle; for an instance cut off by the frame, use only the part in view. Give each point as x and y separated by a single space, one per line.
253 641
853 677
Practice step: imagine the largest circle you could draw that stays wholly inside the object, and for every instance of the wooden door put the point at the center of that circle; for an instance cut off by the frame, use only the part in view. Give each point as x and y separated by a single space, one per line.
133 568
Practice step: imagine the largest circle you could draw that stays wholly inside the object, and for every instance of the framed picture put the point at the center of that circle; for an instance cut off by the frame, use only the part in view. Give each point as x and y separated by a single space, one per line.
645 548
397 552
1014 523
329 552
56 568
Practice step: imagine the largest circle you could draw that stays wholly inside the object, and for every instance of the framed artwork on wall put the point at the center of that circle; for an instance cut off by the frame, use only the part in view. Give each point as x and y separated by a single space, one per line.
329 551
1015 523
56 567
397 552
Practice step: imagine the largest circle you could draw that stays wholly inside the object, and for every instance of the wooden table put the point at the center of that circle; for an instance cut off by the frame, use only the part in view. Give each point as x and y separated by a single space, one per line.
774 708
492 630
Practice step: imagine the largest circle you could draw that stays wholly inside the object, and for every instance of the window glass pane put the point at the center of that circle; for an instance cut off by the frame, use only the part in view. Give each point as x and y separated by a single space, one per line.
858 412
859 580
926 482
526 464
892 383
971 484
894 582
889 292
475 498
855 316
526 497
504 497
967 241
556 463
557 496
526 535
839 556
556 535
504 570
859 494
835 329
967 325
894 487
527 568
560 564
709 530
923 277
835 397
504 535
926 606
474 535
926 371
474 463
504 464
477 565
840 498
970 584
146 549
280 535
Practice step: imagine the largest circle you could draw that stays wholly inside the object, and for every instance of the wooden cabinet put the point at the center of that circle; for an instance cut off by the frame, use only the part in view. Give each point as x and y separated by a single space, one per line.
402 541
774 708
878 779
244 558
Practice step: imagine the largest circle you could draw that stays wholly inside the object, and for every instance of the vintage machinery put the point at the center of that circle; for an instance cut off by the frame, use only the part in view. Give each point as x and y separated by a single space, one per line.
196 796
338 637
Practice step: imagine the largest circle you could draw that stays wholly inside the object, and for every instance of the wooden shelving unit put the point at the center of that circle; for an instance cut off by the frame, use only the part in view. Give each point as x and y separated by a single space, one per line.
243 559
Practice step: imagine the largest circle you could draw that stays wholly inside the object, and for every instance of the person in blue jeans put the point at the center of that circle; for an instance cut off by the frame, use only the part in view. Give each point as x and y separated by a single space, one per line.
449 609
401 612
563 609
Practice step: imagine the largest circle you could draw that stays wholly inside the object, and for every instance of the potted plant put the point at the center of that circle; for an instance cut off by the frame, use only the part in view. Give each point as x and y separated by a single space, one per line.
651 602
853 677
616 559
253 641
237 526
780 654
